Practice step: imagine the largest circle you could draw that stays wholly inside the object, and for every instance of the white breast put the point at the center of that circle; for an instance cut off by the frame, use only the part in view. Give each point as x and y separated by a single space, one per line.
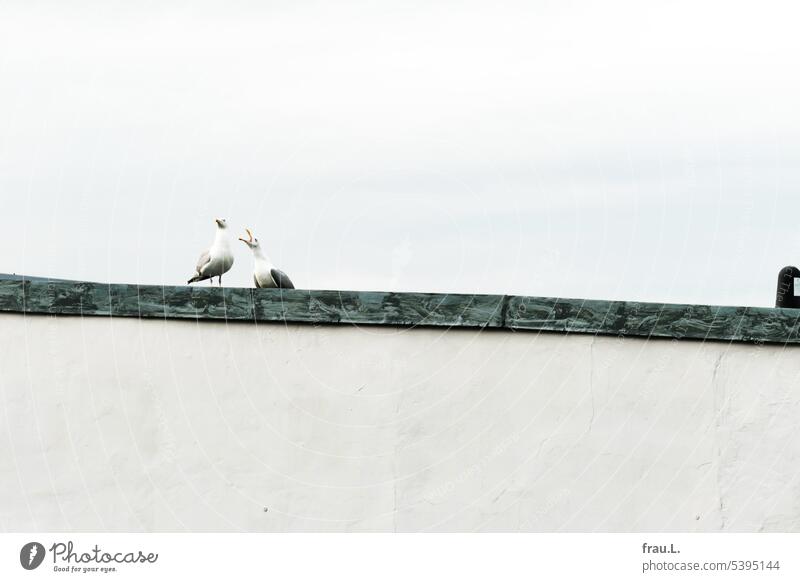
262 274
221 261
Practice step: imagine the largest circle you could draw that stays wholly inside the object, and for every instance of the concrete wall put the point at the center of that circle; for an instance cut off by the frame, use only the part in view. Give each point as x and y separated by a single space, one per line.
129 425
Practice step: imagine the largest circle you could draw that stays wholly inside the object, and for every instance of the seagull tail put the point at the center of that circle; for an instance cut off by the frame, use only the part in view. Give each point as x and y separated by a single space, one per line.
194 279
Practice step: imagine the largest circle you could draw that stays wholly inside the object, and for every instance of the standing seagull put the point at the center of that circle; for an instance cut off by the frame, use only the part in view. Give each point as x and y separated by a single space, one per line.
264 273
217 260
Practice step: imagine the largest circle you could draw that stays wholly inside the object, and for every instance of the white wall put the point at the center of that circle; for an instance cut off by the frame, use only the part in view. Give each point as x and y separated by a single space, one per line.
121 424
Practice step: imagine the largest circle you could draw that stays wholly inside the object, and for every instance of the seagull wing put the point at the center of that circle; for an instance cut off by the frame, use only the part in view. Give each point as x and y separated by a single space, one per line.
204 259
282 280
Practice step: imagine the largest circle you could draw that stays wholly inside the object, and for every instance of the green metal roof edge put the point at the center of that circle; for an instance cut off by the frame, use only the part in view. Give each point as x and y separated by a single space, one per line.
621 318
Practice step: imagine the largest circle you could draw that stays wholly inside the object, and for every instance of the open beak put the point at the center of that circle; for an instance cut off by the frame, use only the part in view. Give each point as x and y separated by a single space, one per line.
250 234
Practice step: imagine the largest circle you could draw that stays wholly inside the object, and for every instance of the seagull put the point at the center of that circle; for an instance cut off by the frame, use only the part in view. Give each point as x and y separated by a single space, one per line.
265 274
217 260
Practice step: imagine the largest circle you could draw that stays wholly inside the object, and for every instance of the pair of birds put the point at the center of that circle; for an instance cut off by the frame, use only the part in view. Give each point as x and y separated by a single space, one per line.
218 260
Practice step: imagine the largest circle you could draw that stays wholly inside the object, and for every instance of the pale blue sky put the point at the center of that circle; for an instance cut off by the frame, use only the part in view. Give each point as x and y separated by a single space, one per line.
615 150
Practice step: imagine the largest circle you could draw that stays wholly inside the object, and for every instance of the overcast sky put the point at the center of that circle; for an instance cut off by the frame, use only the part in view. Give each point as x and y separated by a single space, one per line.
610 150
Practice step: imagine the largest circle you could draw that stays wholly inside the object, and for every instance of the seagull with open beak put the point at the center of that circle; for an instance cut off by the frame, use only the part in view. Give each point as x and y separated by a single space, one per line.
218 259
265 275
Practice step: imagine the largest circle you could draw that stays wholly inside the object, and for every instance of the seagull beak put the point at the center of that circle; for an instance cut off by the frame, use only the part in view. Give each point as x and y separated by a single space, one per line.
250 234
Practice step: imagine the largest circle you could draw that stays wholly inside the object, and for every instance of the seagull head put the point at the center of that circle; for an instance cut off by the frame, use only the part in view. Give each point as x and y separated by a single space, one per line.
221 223
250 241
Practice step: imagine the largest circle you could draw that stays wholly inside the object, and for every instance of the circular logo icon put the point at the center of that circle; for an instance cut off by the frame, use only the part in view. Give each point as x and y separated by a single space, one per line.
31 555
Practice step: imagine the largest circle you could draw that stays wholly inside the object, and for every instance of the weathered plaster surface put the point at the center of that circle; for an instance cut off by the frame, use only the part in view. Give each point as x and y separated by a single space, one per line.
125 424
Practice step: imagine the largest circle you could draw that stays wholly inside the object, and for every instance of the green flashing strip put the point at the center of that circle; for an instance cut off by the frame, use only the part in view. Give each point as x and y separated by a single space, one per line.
620 318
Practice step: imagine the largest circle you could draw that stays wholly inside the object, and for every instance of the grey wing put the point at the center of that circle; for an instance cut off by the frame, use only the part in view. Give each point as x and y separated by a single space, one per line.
282 280
255 280
204 259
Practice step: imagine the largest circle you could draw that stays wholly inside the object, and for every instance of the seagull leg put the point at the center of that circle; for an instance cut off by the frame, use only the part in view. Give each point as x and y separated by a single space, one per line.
220 280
